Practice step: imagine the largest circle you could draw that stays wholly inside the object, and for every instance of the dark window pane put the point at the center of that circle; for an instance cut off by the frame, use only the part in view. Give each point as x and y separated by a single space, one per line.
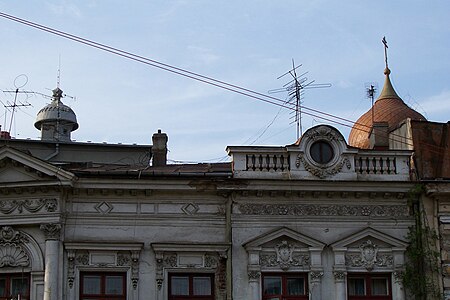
180 285
202 286
114 285
91 285
380 287
19 286
321 152
272 285
2 287
356 287
295 286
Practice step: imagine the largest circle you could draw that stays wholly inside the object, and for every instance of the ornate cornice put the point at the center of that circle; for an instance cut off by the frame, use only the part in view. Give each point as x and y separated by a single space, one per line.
324 210
30 205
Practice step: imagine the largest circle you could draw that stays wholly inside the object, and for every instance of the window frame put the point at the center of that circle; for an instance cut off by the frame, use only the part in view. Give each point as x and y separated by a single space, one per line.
103 295
284 277
8 277
191 285
368 277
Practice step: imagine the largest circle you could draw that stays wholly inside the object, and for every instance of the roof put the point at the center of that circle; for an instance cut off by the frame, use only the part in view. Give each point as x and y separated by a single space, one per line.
389 108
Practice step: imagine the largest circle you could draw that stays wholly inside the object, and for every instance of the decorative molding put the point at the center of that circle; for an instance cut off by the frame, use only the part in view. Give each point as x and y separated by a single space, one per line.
398 276
71 267
316 275
323 171
369 257
211 261
284 257
104 207
170 260
9 235
324 210
12 255
52 231
339 275
254 275
190 208
30 205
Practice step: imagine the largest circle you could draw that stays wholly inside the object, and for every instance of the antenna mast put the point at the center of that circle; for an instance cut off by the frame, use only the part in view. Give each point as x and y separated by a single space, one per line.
16 104
295 89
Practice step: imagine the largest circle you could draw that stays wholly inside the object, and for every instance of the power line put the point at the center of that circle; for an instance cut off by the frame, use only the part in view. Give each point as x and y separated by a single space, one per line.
198 77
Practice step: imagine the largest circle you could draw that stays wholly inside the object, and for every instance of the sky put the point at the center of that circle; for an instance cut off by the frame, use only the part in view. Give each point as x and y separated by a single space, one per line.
246 43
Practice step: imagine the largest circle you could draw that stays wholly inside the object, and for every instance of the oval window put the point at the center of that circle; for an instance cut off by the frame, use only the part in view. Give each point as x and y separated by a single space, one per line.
321 152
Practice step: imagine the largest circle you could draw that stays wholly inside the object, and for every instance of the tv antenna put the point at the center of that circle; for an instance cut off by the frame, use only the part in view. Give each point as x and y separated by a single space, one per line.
295 89
371 90
19 82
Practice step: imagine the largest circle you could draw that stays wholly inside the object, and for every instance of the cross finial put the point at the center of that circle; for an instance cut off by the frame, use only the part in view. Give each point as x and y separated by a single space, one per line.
385 50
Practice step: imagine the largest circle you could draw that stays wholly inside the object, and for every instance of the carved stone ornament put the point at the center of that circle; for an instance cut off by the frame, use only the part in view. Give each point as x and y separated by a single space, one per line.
284 254
316 275
9 235
369 257
323 171
210 261
254 275
398 276
12 255
339 275
324 210
30 205
51 231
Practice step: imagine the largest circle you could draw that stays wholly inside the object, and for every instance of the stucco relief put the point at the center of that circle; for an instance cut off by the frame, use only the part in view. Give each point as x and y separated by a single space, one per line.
30 205
284 257
323 172
369 257
12 253
324 210
123 259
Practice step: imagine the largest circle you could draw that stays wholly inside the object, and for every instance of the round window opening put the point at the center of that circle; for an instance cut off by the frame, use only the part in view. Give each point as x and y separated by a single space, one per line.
321 152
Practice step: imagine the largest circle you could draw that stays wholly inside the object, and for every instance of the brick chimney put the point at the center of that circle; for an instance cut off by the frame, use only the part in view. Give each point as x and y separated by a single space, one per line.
159 149
379 136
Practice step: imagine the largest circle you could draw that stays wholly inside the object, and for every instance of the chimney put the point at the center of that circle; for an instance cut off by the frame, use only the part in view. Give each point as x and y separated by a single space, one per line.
159 149
4 135
379 136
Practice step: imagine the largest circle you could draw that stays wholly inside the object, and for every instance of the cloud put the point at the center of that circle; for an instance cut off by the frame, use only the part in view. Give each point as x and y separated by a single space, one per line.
437 104
64 8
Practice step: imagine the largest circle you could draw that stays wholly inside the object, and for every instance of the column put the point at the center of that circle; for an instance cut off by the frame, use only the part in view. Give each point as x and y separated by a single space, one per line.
397 287
253 278
339 283
315 286
52 235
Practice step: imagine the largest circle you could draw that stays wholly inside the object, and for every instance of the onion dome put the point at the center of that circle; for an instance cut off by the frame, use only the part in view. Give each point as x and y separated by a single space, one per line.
56 120
388 108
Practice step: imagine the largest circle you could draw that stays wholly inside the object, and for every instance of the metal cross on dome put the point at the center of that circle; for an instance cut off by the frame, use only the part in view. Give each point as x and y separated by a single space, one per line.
385 50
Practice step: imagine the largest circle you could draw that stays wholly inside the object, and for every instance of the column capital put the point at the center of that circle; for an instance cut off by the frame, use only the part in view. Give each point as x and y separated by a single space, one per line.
51 231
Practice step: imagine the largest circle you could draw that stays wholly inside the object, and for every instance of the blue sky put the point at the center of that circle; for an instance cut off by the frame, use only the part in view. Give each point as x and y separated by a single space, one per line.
247 43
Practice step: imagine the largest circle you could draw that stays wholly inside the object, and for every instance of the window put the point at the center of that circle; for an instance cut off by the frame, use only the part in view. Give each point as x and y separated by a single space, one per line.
321 152
191 286
12 285
277 286
369 286
103 286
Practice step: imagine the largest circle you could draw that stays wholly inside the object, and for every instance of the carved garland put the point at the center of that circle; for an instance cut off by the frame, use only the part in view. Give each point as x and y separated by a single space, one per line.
324 210
12 253
30 205
325 171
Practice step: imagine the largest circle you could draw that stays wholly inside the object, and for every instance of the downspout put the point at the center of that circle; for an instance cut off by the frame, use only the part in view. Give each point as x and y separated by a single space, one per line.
229 240
54 153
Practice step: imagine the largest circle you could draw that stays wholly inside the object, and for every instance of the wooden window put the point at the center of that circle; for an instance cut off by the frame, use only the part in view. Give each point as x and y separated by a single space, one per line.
191 286
369 287
285 286
14 284
103 286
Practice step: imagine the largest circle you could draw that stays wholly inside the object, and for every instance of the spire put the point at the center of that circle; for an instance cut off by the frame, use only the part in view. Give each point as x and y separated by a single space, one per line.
388 90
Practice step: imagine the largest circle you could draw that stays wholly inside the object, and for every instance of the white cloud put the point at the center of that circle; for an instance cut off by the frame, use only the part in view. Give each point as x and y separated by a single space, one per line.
64 8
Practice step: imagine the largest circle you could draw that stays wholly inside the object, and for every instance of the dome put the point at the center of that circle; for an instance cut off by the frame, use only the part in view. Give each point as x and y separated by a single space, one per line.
56 111
389 108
